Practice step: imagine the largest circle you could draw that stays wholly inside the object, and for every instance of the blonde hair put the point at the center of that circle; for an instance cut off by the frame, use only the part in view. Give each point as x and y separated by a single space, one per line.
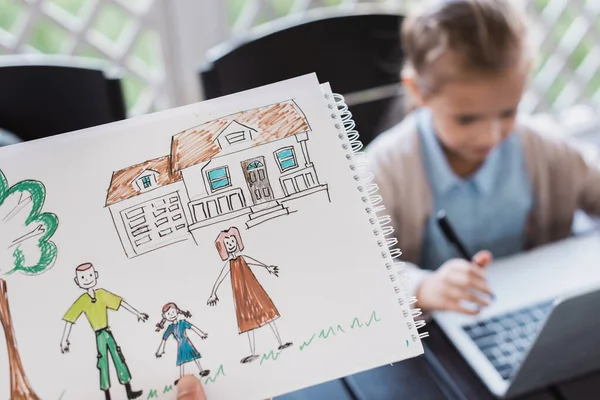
453 39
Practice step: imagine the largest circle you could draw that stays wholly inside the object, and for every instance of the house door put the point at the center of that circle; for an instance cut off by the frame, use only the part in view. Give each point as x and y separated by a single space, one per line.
257 179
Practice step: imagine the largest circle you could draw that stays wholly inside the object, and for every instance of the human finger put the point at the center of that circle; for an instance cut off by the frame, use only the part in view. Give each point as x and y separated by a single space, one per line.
479 284
473 298
456 306
483 258
475 270
458 294
189 388
469 276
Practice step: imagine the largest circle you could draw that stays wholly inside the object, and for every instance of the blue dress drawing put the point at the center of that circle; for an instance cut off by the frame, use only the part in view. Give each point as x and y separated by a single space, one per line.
186 351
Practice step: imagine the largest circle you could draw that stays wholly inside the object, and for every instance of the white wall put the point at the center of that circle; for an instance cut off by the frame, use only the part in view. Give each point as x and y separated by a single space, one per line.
192 177
191 27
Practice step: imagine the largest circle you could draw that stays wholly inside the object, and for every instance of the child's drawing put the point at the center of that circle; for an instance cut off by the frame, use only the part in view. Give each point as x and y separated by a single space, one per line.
186 352
25 230
147 203
250 165
25 246
95 303
253 306
20 387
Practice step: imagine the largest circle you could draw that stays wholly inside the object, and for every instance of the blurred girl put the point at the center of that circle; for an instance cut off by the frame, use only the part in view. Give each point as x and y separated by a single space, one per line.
505 185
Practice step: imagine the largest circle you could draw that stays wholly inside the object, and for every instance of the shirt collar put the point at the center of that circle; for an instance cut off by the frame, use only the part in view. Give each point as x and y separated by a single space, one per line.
485 177
443 178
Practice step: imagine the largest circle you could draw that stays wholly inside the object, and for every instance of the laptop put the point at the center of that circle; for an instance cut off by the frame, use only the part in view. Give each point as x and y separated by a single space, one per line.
542 327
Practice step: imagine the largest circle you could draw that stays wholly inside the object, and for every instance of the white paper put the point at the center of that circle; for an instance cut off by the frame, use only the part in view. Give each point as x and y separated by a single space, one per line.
333 293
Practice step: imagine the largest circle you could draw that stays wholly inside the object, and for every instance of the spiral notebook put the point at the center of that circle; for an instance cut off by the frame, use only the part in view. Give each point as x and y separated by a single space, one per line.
239 239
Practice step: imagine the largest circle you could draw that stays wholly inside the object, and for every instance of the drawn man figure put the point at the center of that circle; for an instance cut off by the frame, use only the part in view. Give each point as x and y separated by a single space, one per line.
95 303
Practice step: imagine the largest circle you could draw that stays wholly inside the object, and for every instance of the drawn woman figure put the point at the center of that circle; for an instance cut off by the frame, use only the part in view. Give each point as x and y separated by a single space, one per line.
186 352
253 306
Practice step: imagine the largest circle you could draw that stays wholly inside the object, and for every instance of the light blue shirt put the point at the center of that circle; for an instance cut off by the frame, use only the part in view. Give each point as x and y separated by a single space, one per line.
488 210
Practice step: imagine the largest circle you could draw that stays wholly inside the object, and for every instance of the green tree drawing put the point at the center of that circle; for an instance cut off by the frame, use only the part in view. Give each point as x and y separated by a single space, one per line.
25 230
25 247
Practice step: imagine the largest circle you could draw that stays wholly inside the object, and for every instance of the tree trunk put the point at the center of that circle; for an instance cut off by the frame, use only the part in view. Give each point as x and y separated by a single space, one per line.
19 386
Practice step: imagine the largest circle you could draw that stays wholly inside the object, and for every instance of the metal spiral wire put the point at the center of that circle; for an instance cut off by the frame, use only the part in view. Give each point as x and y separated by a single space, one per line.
382 224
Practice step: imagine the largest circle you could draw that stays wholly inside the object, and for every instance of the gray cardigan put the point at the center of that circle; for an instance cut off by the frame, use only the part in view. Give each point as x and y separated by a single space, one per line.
564 179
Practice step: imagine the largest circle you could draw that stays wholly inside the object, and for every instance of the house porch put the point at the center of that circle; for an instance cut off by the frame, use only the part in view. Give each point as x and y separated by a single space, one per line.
219 208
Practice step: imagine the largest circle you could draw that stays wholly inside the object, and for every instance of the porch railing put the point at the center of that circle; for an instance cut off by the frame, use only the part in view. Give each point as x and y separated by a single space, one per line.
217 204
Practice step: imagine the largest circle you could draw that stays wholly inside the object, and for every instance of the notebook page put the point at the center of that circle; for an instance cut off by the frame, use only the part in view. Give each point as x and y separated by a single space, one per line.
378 216
238 216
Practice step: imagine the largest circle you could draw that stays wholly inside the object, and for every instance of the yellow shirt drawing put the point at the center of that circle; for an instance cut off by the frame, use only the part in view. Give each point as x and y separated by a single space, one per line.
95 311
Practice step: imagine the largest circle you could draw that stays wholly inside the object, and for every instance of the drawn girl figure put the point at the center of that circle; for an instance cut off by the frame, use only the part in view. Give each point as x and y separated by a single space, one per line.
253 306
186 352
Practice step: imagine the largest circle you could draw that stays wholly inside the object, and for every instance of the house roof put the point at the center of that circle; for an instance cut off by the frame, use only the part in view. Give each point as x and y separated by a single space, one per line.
272 122
120 184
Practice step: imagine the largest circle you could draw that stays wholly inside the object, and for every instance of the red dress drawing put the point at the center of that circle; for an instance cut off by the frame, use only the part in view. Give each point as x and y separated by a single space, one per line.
253 306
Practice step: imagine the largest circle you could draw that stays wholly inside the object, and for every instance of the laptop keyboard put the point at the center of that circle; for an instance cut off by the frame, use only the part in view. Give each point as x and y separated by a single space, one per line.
505 338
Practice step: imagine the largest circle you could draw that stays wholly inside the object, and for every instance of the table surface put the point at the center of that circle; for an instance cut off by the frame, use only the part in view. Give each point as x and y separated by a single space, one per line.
441 373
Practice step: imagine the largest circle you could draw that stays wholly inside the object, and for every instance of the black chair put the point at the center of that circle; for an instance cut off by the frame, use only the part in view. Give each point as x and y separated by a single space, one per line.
359 54
45 96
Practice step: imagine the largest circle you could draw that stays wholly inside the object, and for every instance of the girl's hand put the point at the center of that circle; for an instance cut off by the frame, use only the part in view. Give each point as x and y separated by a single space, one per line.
212 300
273 269
456 281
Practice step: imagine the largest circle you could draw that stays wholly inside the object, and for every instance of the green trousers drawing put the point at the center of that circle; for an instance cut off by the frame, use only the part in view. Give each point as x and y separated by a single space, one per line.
105 342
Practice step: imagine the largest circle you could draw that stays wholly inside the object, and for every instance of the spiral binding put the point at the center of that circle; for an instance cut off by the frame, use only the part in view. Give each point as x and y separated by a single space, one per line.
382 227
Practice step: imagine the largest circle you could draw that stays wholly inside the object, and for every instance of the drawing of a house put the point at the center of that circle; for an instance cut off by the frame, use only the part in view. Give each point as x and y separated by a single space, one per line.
146 202
252 164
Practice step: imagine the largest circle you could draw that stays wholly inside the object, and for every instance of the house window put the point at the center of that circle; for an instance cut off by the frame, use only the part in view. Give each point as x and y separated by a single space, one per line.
254 165
235 137
219 178
286 158
146 182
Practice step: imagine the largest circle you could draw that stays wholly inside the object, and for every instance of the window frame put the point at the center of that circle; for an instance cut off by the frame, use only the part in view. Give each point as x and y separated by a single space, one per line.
144 179
210 180
292 157
235 137
260 165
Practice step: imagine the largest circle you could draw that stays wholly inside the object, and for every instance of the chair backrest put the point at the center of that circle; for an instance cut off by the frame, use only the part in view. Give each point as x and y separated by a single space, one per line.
359 54
45 96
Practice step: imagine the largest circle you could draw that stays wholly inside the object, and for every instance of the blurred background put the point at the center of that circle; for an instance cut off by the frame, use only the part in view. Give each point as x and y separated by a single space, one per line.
71 64
158 47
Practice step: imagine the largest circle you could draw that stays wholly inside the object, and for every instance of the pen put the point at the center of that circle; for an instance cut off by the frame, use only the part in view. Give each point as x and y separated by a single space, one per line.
451 236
